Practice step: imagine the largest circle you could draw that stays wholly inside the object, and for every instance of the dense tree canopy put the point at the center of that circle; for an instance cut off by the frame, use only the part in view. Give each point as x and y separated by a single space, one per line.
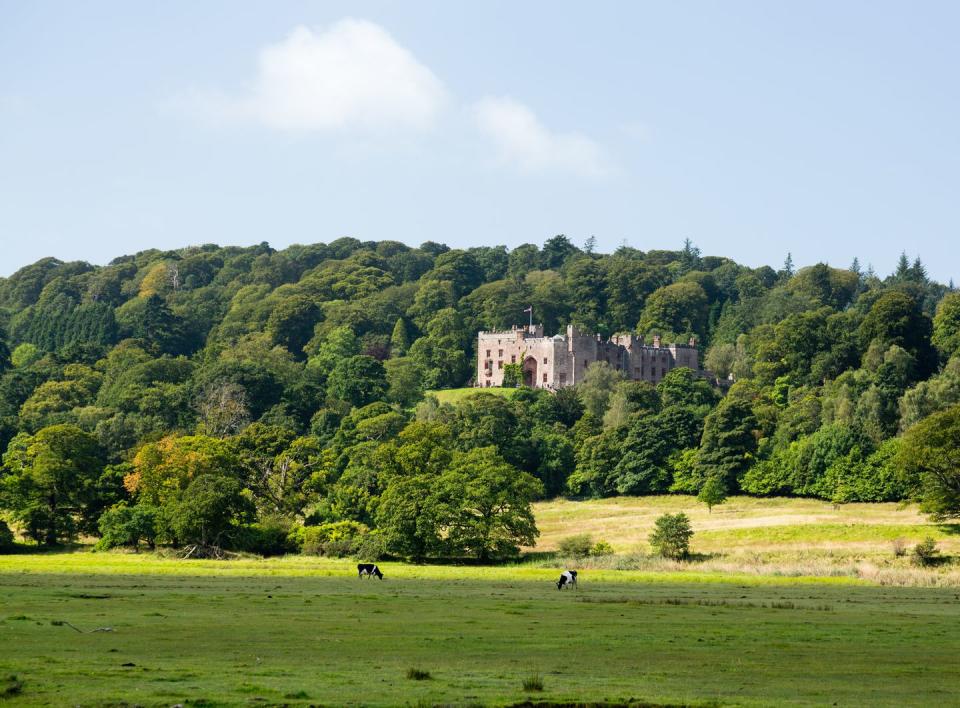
233 395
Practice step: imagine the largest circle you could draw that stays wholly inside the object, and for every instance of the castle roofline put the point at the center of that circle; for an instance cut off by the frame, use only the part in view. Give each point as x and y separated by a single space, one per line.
536 333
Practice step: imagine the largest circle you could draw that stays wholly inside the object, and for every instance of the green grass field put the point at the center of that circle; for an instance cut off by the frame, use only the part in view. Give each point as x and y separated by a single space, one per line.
791 602
455 395
304 631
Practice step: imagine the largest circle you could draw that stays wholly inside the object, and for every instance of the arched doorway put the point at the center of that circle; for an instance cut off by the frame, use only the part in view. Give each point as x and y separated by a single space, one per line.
530 372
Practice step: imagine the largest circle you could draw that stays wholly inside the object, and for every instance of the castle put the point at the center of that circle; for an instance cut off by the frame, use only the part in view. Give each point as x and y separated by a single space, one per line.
554 362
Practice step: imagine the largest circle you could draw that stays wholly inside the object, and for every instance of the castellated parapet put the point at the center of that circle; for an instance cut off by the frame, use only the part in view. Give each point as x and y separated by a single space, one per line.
562 360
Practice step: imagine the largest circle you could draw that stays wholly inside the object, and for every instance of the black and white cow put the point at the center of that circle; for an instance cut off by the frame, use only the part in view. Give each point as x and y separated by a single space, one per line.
568 578
368 569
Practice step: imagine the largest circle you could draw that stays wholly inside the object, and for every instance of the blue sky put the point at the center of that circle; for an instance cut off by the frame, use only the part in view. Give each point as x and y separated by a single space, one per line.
826 129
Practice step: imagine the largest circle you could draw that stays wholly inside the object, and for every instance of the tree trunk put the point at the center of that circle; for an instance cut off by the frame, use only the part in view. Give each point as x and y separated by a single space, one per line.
51 539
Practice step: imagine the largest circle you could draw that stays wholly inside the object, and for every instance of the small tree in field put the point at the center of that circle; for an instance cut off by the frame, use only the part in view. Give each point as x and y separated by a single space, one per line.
713 492
671 536
926 553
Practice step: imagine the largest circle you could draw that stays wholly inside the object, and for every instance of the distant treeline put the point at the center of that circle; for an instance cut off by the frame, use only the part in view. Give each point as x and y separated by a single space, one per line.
275 400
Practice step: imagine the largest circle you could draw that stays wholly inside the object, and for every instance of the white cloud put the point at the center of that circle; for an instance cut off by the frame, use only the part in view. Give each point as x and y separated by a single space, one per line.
524 142
352 75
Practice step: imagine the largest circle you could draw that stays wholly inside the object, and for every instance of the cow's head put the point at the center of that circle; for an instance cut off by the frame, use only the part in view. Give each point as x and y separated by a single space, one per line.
376 571
560 584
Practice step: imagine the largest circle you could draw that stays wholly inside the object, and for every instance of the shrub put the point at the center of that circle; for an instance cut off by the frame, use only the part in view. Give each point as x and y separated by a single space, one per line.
926 553
601 548
6 537
123 525
899 547
270 537
336 539
370 547
418 674
576 546
671 536
534 682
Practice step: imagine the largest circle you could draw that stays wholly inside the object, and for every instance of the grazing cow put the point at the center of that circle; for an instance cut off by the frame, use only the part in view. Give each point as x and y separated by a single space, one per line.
568 578
368 569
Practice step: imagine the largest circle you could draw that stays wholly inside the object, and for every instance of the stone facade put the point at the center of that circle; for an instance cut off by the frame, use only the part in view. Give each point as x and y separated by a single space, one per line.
562 360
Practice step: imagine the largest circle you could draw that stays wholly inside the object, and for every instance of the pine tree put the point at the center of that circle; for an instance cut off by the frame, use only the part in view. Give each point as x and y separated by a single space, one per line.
918 272
787 272
590 245
902 272
689 256
399 341
855 266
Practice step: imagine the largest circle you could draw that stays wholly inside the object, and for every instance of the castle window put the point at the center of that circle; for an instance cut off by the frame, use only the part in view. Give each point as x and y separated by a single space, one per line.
500 353
585 363
500 364
544 378
544 360
488 353
513 358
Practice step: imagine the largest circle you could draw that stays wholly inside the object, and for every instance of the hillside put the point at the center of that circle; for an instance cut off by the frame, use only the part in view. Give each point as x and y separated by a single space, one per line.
287 390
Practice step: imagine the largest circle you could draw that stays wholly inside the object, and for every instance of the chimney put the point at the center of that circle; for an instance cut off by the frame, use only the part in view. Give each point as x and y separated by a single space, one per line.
656 341
693 341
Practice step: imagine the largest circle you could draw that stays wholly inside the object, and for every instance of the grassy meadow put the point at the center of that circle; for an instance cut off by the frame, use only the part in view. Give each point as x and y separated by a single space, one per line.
778 609
779 537
306 631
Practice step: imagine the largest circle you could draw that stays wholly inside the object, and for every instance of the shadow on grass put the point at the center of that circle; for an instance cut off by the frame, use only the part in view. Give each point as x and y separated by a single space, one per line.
935 562
950 529
32 549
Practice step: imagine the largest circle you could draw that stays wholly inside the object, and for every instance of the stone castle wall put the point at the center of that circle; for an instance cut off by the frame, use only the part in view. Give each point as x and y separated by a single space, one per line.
562 360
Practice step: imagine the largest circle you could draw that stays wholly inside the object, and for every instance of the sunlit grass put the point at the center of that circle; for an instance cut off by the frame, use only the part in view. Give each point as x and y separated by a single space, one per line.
455 395
120 563
307 631
626 522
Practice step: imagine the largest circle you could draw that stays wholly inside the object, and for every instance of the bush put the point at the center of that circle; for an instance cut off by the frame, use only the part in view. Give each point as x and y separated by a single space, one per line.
371 547
415 674
337 539
123 525
601 548
576 546
926 553
269 537
6 537
671 536
899 547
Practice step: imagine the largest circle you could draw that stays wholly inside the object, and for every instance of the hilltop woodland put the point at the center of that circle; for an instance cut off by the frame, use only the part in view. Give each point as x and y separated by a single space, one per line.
275 401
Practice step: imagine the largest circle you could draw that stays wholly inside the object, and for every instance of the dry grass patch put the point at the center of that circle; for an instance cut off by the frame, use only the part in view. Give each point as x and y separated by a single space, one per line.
750 536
